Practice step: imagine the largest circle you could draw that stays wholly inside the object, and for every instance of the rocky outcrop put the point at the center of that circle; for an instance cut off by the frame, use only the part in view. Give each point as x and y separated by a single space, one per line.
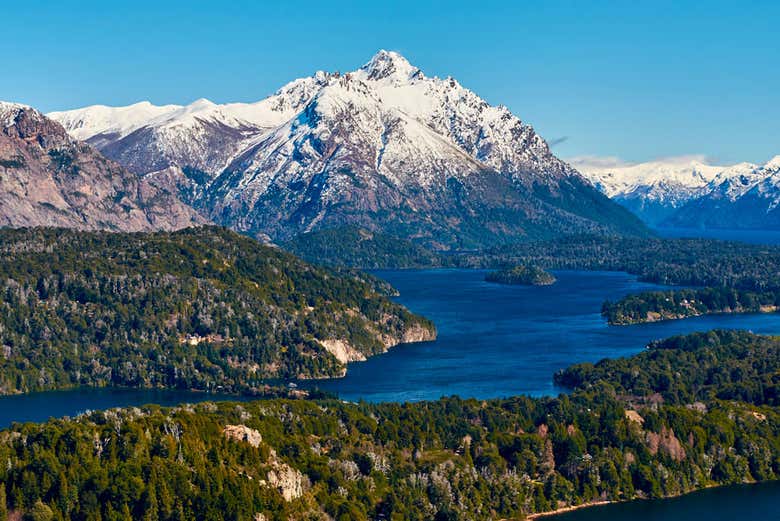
244 434
665 442
417 333
49 179
289 481
345 352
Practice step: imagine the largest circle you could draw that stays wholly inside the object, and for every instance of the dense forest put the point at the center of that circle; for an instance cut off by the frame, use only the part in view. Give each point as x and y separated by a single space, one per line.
523 275
729 277
658 424
725 365
203 308
651 306
360 248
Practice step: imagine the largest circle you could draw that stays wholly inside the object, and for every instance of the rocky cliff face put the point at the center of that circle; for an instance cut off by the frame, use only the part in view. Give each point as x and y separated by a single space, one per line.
409 334
384 148
49 179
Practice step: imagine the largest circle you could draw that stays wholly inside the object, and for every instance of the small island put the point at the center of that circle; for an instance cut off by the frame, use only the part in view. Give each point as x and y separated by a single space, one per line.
521 275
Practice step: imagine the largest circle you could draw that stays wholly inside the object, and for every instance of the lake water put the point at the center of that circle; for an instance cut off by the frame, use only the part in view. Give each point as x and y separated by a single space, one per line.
743 502
494 341
499 340
38 407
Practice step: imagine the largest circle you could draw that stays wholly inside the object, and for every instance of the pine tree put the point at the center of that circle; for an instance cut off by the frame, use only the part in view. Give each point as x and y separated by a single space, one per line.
3 504
150 504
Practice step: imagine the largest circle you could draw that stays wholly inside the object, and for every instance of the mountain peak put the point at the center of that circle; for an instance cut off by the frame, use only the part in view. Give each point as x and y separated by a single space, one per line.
9 111
8 105
201 103
389 65
773 163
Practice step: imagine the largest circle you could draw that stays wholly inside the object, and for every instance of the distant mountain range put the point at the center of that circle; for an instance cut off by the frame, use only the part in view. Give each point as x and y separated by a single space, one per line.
383 148
689 192
47 178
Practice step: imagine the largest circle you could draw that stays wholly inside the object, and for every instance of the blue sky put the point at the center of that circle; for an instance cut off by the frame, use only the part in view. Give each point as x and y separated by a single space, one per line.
636 80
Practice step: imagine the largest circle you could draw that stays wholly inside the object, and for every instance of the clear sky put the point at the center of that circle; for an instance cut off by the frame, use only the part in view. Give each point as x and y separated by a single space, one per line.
632 79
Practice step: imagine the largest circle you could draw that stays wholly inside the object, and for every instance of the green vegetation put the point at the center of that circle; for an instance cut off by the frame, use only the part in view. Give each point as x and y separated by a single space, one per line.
725 365
687 262
630 429
652 306
202 308
525 275
356 247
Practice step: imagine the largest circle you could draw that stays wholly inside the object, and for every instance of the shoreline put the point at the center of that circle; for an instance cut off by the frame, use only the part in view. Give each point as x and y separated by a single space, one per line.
759 311
563 510
543 515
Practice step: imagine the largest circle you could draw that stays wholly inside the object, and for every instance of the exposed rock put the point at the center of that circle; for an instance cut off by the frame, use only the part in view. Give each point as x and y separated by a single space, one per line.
49 179
343 352
243 433
417 333
666 442
288 480
634 417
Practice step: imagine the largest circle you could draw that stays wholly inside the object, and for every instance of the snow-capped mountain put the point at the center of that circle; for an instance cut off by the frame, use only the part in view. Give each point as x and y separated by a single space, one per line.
384 147
656 189
743 199
689 192
202 135
47 178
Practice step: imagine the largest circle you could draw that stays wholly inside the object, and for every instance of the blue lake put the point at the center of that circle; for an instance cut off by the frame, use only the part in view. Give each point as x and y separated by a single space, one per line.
499 340
749 502
494 341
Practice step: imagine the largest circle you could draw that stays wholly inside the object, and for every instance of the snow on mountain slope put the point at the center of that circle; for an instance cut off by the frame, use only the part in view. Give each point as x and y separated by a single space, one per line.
747 199
732 183
85 123
490 134
655 189
207 136
383 146
9 113
202 135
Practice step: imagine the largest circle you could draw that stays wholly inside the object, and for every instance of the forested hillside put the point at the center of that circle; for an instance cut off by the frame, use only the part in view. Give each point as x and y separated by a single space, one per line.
727 365
688 262
360 248
652 306
442 460
202 308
